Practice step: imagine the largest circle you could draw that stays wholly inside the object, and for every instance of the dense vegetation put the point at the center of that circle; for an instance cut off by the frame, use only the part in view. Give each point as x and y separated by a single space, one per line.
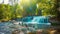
35 7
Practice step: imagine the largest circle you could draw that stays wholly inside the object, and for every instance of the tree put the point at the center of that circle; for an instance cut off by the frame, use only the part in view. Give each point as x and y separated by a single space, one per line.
5 11
47 7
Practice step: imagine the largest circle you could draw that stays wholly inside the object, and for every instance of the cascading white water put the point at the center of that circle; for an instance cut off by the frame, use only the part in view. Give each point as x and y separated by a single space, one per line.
39 19
38 22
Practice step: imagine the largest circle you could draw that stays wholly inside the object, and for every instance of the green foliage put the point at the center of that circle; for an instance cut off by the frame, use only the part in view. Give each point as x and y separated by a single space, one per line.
47 7
5 11
28 8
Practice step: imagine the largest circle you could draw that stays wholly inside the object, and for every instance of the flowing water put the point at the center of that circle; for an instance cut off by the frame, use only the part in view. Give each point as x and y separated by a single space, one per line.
39 22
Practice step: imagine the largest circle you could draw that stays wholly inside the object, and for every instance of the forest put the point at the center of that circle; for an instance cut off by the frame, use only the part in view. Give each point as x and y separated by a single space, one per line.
29 8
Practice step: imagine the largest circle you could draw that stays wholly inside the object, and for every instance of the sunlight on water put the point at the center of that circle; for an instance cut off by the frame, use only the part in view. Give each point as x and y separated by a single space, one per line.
37 20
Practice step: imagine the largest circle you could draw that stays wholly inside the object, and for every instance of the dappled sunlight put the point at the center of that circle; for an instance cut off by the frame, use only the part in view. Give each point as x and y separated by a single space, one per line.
29 16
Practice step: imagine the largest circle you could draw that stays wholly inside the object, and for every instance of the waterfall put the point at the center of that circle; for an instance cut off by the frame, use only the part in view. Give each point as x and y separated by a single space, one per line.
39 19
